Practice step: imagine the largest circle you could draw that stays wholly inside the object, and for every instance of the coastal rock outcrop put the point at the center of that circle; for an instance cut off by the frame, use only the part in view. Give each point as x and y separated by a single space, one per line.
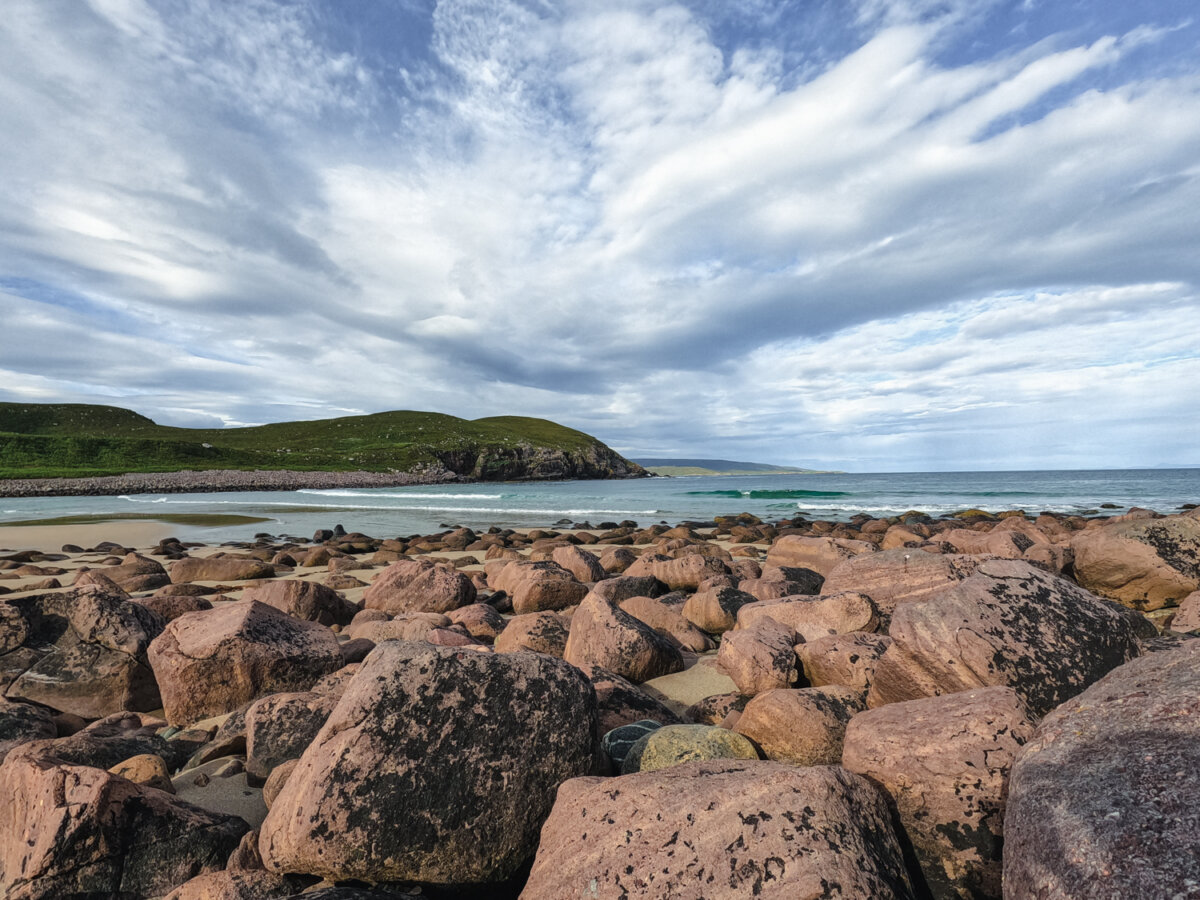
893 577
1145 564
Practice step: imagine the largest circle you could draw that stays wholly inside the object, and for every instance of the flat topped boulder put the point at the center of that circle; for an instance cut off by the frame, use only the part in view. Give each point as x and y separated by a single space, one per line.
820 554
438 765
1102 801
903 575
304 600
1145 564
418 585
214 661
718 830
219 568
1008 624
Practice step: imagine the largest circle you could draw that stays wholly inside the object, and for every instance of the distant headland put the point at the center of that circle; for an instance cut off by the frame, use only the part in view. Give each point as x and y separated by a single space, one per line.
676 467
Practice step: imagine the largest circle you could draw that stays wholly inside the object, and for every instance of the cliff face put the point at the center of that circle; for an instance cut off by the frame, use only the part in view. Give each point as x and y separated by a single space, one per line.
526 462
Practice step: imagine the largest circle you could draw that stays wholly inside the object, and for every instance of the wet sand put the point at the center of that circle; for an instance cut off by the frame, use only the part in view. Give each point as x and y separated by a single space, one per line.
49 538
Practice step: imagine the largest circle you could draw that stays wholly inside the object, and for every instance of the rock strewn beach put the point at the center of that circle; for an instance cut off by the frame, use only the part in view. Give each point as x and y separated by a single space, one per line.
982 706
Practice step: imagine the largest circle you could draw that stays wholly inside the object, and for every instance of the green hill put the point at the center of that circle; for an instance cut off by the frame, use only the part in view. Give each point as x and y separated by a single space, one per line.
73 440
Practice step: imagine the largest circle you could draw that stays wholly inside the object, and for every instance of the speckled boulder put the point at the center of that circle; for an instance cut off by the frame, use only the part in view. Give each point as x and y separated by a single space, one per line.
480 620
606 636
475 744
847 659
418 586
1145 564
1008 624
945 761
802 726
23 722
617 742
759 658
665 615
1102 801
583 565
893 577
543 632
820 554
1187 619
715 610
815 617
280 727
720 831
672 745
220 568
214 661
538 585
305 600
619 701
686 573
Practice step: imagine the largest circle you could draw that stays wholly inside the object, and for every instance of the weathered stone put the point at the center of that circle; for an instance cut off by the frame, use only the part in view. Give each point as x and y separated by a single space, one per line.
759 658
783 581
945 762
280 727
718 831
135 573
1008 624
542 632
848 659
373 625
665 615
171 606
1102 801
212 662
1145 564
418 585
820 554
622 587
672 745
21 723
479 619
220 568
606 636
815 617
538 586
715 610
475 745
275 782
146 768
236 885
713 709
620 702
804 726
583 565
686 573
617 742
893 577
1187 618
305 600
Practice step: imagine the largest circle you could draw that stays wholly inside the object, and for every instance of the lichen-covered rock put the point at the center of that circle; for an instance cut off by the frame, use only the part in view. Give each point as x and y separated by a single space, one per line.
759 658
172 606
1187 618
622 587
418 586
620 702
438 765
305 600
665 615
803 726
848 659
893 577
21 723
945 761
280 727
481 621
673 745
135 573
538 585
713 709
374 625
214 661
69 830
719 831
774 582
715 610
815 617
1145 564
543 632
606 636
820 554
617 742
1008 624
1102 801
252 884
219 568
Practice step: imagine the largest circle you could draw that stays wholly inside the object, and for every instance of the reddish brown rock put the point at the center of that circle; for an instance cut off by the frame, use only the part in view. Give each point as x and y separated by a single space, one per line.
236 885
820 554
220 568
686 573
803 727
135 573
305 600
146 768
172 606
582 564
665 615
480 620
815 617
475 744
717 831
97 578
543 632
759 658
407 627
620 702
69 830
1102 800
21 723
945 761
715 610
280 727
538 586
1008 624
713 709
606 636
1187 618
621 587
846 659
617 559
893 577
782 581
418 585
274 784
1145 564
212 662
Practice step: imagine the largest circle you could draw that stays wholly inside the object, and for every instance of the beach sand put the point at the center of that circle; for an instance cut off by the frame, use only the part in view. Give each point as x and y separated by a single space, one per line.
49 538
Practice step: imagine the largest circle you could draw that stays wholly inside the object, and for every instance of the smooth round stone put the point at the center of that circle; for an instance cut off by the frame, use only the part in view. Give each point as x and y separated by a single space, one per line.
618 742
675 744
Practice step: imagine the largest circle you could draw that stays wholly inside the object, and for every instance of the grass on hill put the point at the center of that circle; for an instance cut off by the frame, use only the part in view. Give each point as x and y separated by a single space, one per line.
74 440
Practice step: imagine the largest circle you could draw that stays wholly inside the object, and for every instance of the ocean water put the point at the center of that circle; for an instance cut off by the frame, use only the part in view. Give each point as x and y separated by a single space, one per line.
390 512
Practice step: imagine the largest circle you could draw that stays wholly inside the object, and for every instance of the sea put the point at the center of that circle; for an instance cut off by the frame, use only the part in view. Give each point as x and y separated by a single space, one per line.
403 511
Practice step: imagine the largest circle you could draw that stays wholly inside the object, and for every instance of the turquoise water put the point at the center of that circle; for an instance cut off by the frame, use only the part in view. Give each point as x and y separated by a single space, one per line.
388 512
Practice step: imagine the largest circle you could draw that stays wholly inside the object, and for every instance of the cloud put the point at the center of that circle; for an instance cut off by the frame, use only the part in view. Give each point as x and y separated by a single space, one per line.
841 238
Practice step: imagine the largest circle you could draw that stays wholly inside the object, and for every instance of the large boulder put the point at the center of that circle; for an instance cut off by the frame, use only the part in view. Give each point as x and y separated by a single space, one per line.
715 609
583 565
782 581
21 723
804 727
280 727
665 615
718 831
82 652
1102 801
945 762
759 658
1008 624
1187 619
214 661
606 636
418 585
541 632
438 766
893 577
820 554
538 585
219 568
686 573
847 659
305 600
815 617
134 573
1145 564
70 830
621 702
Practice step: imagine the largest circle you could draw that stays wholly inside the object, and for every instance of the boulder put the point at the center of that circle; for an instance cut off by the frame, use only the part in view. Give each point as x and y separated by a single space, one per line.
847 659
715 610
1187 619
617 559
665 615
83 652
373 625
21 723
945 761
617 742
759 658
580 563
622 587
893 577
305 600
280 727
214 661
171 606
620 702
475 745
149 769
1144 564
782 581
804 727
135 573
713 709
720 830
253 884
69 830
1008 624
672 745
820 554
220 568
418 585
542 632
686 573
480 620
815 617
538 585
1102 800
606 636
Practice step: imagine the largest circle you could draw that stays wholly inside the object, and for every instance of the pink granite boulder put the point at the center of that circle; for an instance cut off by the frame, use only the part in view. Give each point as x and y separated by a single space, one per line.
803 727
606 636
759 658
418 585
305 600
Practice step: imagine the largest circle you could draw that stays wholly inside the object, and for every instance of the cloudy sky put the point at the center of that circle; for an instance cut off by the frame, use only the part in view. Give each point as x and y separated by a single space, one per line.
865 234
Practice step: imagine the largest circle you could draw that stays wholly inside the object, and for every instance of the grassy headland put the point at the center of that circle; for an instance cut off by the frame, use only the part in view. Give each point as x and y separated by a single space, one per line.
678 467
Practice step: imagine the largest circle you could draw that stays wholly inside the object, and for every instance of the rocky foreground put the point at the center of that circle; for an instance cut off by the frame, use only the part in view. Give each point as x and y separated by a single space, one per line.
972 707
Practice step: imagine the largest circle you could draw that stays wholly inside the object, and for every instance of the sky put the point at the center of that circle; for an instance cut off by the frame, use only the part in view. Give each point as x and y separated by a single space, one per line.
871 235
